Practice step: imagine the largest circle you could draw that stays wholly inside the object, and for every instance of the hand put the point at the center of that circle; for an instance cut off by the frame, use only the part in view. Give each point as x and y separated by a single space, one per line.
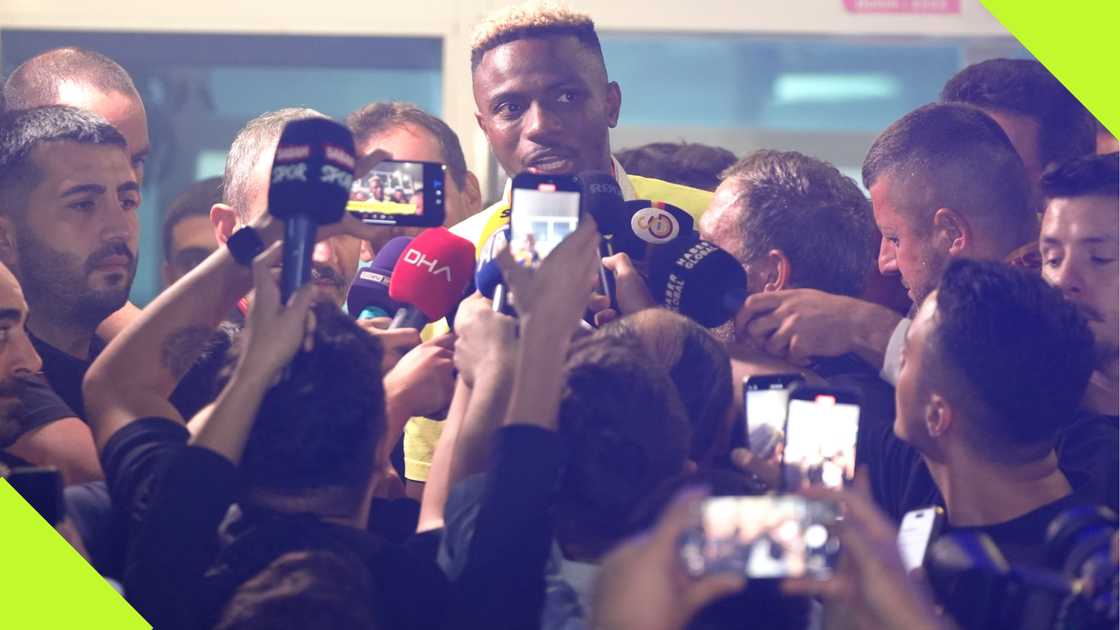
643 583
798 324
274 332
556 293
394 343
484 340
630 288
422 382
768 471
871 585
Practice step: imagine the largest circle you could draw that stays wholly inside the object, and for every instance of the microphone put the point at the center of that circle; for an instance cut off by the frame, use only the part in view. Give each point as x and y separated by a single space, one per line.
697 279
430 277
487 275
310 185
369 293
601 197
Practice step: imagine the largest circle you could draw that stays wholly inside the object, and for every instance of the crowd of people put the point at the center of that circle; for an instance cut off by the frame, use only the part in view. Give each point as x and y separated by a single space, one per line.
234 460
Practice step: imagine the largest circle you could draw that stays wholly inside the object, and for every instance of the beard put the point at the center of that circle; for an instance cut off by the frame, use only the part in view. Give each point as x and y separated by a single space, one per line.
59 282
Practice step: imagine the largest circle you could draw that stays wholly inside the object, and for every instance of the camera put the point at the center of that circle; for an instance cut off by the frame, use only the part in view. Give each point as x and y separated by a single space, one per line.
1078 588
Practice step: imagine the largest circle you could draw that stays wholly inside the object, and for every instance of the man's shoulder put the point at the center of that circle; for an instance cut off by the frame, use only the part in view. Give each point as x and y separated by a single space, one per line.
692 200
478 227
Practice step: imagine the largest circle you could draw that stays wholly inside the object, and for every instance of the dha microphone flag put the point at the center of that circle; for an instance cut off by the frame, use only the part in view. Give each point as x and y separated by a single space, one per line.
310 184
697 279
369 293
430 277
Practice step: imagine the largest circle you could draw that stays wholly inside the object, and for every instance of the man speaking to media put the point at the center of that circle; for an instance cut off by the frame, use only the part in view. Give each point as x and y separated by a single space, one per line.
547 105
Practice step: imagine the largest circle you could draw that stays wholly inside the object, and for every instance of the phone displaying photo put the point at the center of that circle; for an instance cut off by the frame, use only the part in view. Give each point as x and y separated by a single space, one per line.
400 193
544 209
918 529
777 536
820 446
765 400
42 488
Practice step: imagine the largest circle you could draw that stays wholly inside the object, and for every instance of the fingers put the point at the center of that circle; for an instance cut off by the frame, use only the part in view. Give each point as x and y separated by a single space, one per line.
683 512
265 286
769 472
446 341
605 316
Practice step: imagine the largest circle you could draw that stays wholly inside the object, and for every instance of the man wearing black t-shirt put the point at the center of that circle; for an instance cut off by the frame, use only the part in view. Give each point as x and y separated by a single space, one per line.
994 364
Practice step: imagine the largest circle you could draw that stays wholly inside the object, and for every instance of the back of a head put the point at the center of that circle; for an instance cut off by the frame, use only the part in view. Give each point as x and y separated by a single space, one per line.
686 163
810 211
626 433
375 119
1086 176
951 155
256 140
534 19
23 130
698 365
1026 87
36 81
304 589
1020 353
196 200
318 429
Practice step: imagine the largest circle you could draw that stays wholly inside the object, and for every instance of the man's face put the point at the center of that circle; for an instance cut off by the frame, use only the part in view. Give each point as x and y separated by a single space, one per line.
1080 245
911 393
17 355
76 240
334 264
545 106
1025 135
192 240
905 249
123 111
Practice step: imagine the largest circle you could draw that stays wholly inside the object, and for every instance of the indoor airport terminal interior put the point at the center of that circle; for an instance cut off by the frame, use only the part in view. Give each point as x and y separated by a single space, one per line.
559 314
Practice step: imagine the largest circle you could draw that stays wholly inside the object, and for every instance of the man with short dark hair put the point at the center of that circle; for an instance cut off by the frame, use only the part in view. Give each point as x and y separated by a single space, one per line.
984 419
407 132
1044 122
87 80
686 163
188 236
1080 246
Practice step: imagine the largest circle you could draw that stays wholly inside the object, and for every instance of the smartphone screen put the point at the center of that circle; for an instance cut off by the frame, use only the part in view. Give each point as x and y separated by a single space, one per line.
916 533
400 193
775 536
765 400
543 211
820 447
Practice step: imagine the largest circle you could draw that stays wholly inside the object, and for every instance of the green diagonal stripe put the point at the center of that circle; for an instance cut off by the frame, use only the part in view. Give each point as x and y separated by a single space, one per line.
45 584
1076 40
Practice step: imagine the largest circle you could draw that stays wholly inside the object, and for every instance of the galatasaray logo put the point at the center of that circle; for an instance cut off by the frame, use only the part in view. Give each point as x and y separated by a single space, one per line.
654 225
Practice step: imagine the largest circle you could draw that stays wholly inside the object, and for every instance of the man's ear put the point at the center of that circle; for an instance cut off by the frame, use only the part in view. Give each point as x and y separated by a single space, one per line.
366 253
8 250
777 271
939 416
614 103
954 231
224 220
472 195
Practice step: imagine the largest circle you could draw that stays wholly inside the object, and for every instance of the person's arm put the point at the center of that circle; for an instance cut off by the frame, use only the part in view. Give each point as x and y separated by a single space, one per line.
799 324
114 324
273 334
438 485
65 444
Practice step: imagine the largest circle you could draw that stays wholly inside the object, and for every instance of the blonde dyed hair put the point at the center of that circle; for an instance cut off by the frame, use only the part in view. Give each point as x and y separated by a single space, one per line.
538 18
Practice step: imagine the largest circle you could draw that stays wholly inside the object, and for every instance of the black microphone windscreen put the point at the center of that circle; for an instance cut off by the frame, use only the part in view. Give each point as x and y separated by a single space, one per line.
697 279
312 171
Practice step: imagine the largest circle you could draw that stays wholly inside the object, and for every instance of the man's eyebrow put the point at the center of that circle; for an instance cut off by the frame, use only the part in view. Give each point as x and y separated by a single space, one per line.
81 189
13 314
128 187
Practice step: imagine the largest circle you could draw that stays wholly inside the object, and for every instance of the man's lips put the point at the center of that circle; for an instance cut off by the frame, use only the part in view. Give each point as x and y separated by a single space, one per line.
113 262
551 163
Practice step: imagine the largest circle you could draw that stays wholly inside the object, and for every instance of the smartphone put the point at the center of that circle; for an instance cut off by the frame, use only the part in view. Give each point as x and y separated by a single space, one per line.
544 209
42 488
821 428
765 399
919 528
395 192
775 536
